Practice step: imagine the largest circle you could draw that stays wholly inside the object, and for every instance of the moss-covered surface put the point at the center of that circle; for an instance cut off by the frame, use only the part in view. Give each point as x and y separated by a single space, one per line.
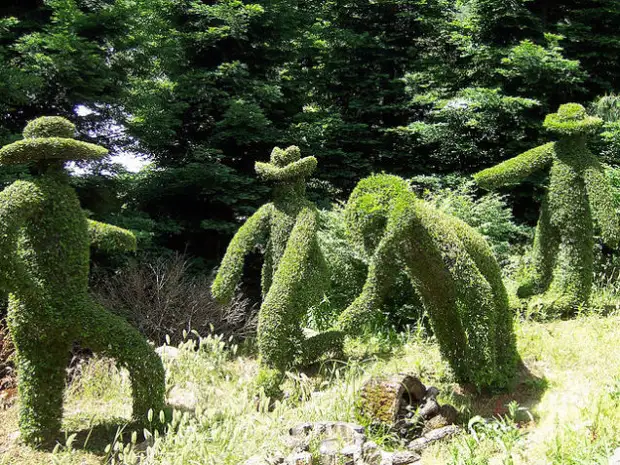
294 276
578 194
451 267
44 264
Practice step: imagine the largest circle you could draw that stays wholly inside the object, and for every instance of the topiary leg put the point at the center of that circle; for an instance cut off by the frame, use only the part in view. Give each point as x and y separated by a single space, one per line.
572 277
546 243
42 361
113 337
505 340
315 346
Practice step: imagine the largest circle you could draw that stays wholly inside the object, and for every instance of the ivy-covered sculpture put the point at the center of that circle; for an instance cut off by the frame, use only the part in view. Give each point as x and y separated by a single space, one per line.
44 264
451 267
578 193
294 276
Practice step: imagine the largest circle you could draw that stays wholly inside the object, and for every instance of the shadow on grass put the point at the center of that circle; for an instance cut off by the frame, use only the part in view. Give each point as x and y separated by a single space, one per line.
526 392
96 437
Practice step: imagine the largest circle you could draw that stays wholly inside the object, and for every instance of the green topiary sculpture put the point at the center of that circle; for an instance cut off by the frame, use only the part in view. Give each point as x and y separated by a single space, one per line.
578 193
44 261
294 276
450 265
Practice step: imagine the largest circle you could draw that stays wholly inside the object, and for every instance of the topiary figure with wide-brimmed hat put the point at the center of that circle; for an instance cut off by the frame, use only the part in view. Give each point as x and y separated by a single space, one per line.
578 194
44 263
294 276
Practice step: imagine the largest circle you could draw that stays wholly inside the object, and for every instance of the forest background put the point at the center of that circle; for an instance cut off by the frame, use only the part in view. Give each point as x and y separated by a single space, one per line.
431 90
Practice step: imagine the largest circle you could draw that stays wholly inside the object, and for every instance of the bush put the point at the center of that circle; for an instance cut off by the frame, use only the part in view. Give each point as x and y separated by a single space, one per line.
451 267
578 195
44 266
163 298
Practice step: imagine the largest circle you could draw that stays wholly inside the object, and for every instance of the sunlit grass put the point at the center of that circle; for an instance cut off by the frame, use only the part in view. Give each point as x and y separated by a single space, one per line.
564 410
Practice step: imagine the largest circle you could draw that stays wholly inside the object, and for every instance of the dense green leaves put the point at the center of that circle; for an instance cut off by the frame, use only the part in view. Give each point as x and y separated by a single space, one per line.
203 89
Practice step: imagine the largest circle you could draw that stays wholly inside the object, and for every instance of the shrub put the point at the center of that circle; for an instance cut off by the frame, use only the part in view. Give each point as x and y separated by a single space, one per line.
44 264
451 267
163 299
294 276
578 194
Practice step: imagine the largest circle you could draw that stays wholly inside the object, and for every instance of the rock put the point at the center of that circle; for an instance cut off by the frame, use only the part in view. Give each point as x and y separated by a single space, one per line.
302 429
432 392
329 446
435 435
449 413
301 458
167 352
183 398
405 458
615 459
399 458
371 454
446 416
429 408
297 443
385 400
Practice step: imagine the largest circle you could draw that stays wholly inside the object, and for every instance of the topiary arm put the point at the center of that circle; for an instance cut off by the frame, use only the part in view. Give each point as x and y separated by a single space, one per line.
602 204
17 203
246 238
516 169
109 238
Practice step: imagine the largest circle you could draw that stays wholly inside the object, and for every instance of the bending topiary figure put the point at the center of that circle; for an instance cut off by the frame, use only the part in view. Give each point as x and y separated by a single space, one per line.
578 192
294 275
450 265
44 264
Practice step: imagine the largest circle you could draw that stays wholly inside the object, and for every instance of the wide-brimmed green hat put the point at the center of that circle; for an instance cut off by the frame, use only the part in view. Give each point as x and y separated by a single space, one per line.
286 165
49 138
572 119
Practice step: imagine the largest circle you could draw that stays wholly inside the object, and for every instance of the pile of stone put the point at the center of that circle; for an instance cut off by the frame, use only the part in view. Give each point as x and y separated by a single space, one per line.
403 405
336 443
400 402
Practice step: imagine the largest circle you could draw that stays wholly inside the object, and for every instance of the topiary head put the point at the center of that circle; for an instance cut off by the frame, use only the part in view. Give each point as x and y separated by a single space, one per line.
369 207
572 120
286 165
49 139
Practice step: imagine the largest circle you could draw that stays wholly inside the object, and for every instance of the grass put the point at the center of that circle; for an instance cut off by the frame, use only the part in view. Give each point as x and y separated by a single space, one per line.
565 408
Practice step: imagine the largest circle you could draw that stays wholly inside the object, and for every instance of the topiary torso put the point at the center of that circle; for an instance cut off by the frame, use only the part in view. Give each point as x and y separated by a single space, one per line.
57 231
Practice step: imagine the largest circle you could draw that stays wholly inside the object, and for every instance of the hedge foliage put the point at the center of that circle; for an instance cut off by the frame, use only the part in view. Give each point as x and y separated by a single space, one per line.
578 193
294 276
44 264
451 267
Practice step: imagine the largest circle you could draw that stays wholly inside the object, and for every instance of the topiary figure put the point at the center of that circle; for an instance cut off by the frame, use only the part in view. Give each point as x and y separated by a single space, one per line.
451 267
578 193
44 264
294 275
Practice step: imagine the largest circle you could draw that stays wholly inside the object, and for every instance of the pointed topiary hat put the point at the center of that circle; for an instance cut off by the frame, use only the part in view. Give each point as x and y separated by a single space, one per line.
286 165
49 138
572 119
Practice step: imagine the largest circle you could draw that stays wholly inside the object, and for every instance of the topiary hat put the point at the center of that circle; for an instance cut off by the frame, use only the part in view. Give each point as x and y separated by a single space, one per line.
286 165
572 119
49 138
